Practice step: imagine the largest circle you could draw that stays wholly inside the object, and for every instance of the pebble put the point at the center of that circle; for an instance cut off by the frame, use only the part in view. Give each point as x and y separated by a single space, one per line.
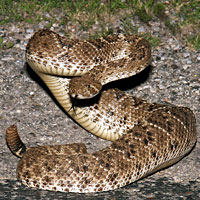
141 29
8 58
186 54
29 31
28 36
41 26
189 62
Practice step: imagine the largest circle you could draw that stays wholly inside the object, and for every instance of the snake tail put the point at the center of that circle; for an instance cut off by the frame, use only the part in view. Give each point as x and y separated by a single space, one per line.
14 142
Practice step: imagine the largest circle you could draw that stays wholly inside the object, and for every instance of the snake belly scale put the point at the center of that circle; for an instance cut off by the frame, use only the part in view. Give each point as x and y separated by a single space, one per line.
146 136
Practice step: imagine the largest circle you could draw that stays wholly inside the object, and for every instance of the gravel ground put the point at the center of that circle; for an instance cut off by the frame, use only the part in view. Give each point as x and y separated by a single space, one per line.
172 77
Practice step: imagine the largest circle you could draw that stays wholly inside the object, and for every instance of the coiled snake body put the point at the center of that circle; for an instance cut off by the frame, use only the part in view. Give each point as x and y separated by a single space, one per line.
146 136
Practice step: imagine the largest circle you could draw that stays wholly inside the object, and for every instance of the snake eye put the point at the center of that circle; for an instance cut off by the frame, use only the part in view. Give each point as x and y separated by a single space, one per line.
88 86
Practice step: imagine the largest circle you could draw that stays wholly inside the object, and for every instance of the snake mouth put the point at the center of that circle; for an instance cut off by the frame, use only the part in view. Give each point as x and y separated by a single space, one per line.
84 87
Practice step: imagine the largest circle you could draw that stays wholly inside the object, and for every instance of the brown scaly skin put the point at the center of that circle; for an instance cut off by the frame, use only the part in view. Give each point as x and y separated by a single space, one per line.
101 61
150 145
147 136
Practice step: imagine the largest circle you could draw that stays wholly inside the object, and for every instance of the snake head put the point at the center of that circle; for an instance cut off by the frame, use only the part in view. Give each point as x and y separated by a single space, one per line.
84 87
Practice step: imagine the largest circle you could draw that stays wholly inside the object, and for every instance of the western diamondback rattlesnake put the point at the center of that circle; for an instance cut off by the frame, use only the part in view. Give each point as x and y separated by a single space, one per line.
147 136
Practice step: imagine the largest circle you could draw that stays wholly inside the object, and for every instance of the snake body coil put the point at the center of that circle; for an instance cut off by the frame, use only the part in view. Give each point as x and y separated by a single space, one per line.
146 136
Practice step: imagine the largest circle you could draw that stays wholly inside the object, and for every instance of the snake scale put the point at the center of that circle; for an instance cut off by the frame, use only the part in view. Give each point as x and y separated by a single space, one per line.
146 136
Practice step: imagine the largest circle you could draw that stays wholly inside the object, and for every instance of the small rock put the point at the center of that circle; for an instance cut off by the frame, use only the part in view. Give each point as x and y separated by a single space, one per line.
8 59
141 29
186 55
29 30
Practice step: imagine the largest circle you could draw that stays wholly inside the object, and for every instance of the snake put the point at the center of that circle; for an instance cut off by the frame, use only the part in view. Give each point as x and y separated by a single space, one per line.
146 137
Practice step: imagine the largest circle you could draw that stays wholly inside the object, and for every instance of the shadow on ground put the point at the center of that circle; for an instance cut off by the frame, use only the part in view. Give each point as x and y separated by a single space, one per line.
146 189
